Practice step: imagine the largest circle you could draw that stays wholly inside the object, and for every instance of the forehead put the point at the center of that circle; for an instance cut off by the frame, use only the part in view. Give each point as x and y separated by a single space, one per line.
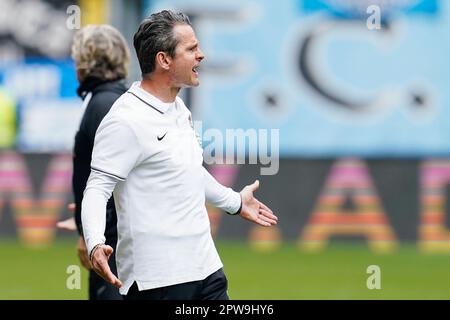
185 34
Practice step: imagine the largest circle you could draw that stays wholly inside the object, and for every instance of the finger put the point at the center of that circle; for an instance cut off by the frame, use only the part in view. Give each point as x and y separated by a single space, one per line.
262 205
267 219
71 207
254 186
261 222
268 214
112 279
117 283
105 272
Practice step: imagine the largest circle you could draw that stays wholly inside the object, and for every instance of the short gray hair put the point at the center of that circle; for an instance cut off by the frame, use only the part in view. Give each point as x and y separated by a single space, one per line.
100 51
155 34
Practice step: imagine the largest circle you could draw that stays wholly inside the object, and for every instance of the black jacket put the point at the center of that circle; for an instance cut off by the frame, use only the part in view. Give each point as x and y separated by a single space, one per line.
104 94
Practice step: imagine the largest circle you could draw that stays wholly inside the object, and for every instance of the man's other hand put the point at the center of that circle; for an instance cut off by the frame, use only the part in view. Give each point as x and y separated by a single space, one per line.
100 265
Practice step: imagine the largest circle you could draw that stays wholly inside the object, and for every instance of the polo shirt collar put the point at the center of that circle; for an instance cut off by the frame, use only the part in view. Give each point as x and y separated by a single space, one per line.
148 98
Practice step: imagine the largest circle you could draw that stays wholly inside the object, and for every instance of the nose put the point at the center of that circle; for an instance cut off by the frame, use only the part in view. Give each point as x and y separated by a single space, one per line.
200 55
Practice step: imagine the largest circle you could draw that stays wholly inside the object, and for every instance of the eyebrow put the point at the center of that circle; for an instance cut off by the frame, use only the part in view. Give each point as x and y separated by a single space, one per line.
192 46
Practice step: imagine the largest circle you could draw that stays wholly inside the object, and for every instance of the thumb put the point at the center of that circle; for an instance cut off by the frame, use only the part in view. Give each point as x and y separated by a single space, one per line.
108 250
255 185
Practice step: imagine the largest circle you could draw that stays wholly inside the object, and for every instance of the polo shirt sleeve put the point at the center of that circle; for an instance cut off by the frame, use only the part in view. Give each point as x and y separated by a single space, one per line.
221 197
93 208
116 148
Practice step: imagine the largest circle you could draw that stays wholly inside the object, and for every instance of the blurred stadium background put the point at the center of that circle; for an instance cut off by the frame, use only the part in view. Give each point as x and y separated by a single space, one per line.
364 141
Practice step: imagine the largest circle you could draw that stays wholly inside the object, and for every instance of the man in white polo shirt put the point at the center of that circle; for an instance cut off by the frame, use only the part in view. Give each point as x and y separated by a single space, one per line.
147 153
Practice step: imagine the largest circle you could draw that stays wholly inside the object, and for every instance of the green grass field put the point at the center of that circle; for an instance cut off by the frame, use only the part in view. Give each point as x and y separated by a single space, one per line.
288 273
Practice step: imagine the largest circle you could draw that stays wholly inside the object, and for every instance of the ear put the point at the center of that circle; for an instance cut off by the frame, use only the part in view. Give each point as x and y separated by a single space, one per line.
163 60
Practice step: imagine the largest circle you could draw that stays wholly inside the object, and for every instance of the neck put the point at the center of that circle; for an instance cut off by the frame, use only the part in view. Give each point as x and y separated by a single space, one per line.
160 88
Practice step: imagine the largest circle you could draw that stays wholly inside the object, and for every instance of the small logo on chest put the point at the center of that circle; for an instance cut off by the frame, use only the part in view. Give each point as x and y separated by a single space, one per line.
161 137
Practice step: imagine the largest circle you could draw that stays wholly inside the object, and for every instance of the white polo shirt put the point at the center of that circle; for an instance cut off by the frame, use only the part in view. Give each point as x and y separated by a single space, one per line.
147 152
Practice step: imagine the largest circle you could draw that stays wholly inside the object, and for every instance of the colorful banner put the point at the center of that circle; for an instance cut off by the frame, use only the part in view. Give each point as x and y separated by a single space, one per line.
379 203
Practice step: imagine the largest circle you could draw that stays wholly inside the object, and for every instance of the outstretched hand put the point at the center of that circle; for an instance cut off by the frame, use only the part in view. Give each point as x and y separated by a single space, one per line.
100 264
254 210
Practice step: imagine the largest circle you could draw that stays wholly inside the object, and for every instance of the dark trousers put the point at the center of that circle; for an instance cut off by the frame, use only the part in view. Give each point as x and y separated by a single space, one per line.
213 287
99 289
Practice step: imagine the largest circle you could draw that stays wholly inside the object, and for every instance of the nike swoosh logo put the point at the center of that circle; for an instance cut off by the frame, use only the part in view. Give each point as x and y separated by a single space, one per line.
160 138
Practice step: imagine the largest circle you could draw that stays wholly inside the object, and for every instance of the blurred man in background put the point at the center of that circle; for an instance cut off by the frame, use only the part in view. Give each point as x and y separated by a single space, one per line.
101 56
147 152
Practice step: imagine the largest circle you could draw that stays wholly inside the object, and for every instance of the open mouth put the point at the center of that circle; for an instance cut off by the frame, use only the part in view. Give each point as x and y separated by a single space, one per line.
195 70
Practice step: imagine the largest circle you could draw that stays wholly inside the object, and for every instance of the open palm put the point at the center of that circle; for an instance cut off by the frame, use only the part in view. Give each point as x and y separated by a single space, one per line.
254 210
